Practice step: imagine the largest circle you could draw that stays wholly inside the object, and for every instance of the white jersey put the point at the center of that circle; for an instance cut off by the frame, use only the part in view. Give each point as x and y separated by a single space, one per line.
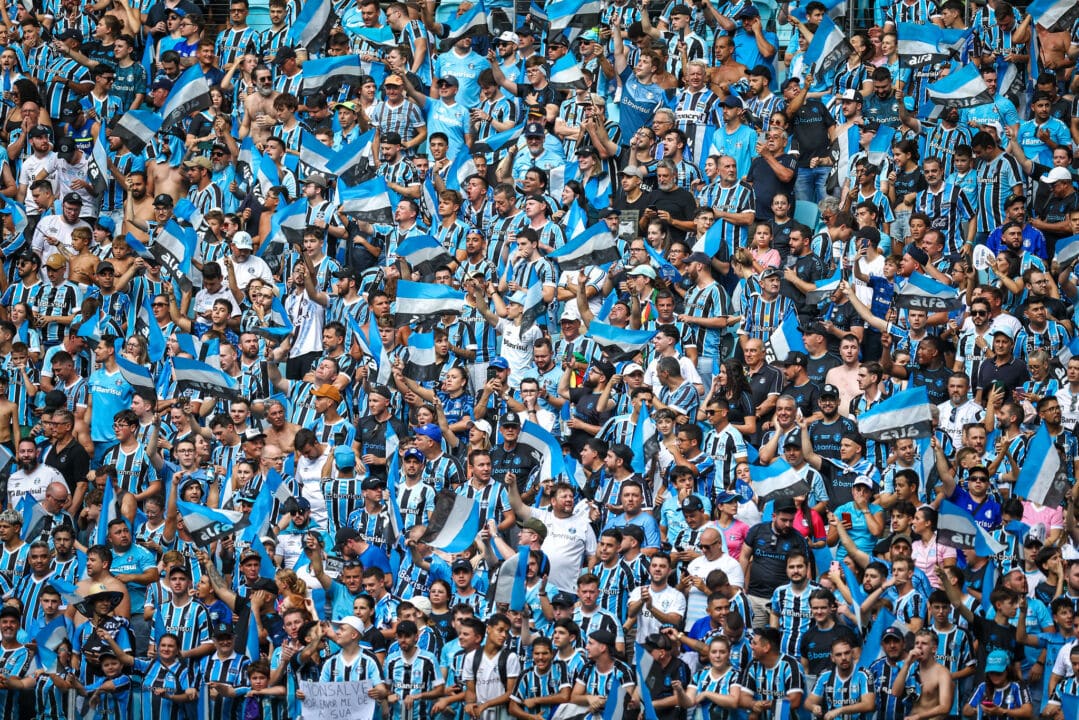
569 541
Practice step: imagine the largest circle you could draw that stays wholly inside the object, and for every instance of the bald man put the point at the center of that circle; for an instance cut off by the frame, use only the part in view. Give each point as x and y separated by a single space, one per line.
713 557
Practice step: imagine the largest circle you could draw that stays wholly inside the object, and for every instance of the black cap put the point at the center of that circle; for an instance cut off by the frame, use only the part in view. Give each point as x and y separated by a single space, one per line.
164 200
797 358
344 535
264 584
692 503
559 40
658 641
376 389
373 483
69 34
70 111
283 54
604 637
829 390
814 329
223 630
182 569
391 138
461 564
55 399
66 149
784 504
510 418
604 367
634 531
73 199
40 131
563 600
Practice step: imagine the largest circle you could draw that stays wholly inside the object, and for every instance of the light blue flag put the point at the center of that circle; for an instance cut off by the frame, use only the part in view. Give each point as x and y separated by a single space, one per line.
68 590
326 75
462 168
563 14
49 639
518 597
110 510
880 147
267 175
1068 351
97 166
471 22
417 301
18 238
786 339
575 472
148 62
1069 705
644 664
251 642
140 319
644 431
137 128
619 343
31 512
424 254
566 73
137 247
906 414
314 155
204 378
1055 16
498 140
615 707
824 288
666 270
420 363
355 162
381 36
393 475
575 221
286 227
921 44
1042 478
871 647
280 324
93 327
961 88
989 578
455 523
552 463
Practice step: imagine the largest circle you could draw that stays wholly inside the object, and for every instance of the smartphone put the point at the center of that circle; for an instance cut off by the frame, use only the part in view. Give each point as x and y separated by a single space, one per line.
846 518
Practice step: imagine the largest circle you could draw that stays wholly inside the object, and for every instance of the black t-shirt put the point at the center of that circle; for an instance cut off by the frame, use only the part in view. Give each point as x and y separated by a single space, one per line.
992 637
660 681
73 462
805 396
809 269
934 381
768 552
819 367
159 13
1011 375
839 483
371 436
520 461
826 435
584 409
781 236
766 184
816 645
810 128
678 202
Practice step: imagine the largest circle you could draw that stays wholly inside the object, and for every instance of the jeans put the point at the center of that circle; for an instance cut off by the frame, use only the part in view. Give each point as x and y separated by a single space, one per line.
810 184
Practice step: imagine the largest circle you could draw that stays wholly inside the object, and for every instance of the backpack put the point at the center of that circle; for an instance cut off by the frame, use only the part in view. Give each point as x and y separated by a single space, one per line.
502 659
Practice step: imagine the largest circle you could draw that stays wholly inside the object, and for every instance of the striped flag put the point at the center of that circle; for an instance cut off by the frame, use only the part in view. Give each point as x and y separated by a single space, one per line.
136 376
49 639
140 321
381 36
455 523
369 201
137 128
777 480
393 474
205 378
279 324
252 646
644 664
424 254
1042 478
312 26
173 247
356 162
956 528
960 88
905 414
420 364
418 301
786 339
14 242
471 23
429 200
497 141
93 327
575 221
615 707
190 93
462 168
186 212
314 155
595 246
824 288
207 524
644 434
1067 249
573 13
327 75
534 305
371 348
619 343
880 147
926 44
566 73
922 292
1055 16
828 48
286 225
549 451
509 587
97 166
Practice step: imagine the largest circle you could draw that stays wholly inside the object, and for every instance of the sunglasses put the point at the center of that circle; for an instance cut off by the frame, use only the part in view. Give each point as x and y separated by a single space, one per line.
978 313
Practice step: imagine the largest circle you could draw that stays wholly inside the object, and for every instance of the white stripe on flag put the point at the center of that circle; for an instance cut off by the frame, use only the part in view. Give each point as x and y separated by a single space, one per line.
461 526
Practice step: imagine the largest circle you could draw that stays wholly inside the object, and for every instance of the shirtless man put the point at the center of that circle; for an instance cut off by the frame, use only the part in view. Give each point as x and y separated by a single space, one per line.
138 206
1053 49
280 431
259 118
935 700
728 71
9 417
98 571
845 376
83 264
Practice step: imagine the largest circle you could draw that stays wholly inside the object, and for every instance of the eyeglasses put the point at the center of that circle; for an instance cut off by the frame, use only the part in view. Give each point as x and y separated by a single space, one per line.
977 478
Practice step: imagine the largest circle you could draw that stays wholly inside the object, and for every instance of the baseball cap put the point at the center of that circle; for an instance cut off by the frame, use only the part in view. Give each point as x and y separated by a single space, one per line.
517 298
563 600
254 433
998 661
797 358
393 80
535 525
431 431
390 138
223 630
634 171
461 564
483 426
733 101
73 199
508 36
646 270
284 54
510 418
106 223
40 131
770 273
69 34
449 80
892 633
699 257
344 458
534 129
164 200
327 391
413 454
559 40
631 368
727 496
747 12
421 604
162 83
317 179
370 483
864 481
105 266
56 261
200 162
784 504
603 637
657 641
345 535
242 240
66 149
829 390
353 622
692 503
1057 174
851 94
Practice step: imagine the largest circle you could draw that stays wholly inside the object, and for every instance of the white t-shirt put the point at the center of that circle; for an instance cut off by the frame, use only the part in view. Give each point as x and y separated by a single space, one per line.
568 541
253 267
488 681
309 475
688 369
697 602
35 483
667 600
517 349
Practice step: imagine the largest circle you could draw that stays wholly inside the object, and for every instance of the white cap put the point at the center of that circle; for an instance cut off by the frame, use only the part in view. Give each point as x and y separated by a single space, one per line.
421 604
997 127
353 622
483 425
510 36
571 312
1055 175
242 240
631 368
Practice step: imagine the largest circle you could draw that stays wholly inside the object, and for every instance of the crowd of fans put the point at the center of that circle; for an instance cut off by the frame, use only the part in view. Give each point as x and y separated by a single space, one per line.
733 167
